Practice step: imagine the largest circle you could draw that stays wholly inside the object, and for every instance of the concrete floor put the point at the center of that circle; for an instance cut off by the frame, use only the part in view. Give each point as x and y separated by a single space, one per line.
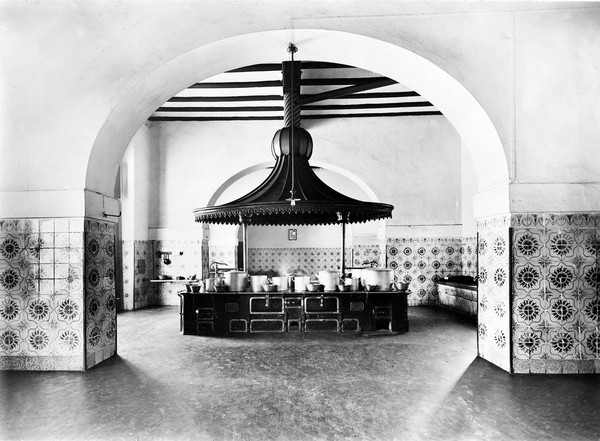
427 384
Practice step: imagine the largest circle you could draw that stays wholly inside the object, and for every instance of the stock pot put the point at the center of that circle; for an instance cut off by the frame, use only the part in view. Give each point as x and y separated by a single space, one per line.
236 280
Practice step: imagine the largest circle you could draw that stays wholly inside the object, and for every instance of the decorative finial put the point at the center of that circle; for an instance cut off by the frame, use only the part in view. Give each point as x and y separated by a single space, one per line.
292 48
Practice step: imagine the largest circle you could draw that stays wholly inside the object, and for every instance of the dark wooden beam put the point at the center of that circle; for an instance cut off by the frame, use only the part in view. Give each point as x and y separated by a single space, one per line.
371 115
278 83
280 118
308 107
235 84
368 105
216 99
222 109
215 118
324 65
344 91
274 67
369 95
265 67
336 81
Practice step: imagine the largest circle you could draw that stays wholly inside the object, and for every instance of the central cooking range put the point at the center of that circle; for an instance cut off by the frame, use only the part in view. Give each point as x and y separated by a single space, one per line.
293 194
249 312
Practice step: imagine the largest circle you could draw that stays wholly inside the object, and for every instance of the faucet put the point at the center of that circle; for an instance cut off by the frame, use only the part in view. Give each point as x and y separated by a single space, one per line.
267 301
214 268
322 300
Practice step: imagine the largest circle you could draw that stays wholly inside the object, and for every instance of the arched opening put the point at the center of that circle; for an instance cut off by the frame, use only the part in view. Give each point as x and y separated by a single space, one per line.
448 95
477 134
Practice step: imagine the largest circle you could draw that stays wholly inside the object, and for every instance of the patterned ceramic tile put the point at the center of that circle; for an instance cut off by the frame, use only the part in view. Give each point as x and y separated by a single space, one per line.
100 302
308 261
41 294
423 261
186 261
495 331
556 289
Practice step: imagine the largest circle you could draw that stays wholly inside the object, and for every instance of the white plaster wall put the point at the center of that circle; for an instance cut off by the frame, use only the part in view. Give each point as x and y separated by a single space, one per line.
323 236
557 105
532 66
469 187
413 164
139 185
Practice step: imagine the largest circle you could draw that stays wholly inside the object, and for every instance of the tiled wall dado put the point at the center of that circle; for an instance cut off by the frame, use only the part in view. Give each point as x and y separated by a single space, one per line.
100 300
556 293
423 261
284 261
494 327
141 265
138 271
310 261
57 297
223 254
183 265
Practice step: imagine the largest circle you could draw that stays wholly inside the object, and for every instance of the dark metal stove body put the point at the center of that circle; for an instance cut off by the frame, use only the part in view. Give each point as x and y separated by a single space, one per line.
245 312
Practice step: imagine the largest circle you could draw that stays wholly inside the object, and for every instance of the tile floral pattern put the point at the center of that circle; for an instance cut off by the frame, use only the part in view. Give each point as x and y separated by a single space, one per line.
224 254
494 318
187 264
41 294
128 280
556 293
308 261
143 258
141 265
423 261
100 293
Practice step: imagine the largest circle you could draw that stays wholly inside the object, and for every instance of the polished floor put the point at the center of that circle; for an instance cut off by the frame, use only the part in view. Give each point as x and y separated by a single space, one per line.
427 384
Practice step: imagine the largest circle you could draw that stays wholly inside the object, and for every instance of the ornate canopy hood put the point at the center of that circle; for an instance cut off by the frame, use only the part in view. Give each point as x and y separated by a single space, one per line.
293 194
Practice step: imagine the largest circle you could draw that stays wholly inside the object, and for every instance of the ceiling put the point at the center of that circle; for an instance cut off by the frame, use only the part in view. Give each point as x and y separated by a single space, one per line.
328 90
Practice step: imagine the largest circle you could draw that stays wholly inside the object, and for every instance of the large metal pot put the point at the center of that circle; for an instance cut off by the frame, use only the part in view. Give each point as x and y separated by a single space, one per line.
382 277
236 280
300 283
256 283
329 279
281 282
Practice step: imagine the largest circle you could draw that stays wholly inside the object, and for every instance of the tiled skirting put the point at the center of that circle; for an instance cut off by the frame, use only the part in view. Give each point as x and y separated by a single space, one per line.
57 293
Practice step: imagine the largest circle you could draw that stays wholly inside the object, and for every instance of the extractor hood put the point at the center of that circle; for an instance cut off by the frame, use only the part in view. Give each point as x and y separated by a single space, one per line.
293 194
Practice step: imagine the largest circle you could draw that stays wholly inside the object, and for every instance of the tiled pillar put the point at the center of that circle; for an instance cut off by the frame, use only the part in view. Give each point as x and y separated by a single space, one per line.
539 305
100 301
494 318
57 293
556 293
42 304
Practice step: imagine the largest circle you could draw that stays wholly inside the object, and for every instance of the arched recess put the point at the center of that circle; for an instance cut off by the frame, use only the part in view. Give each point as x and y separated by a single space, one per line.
410 69
326 165
232 232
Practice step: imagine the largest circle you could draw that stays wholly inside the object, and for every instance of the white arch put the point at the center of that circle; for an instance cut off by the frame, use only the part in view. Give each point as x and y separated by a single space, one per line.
261 166
410 69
